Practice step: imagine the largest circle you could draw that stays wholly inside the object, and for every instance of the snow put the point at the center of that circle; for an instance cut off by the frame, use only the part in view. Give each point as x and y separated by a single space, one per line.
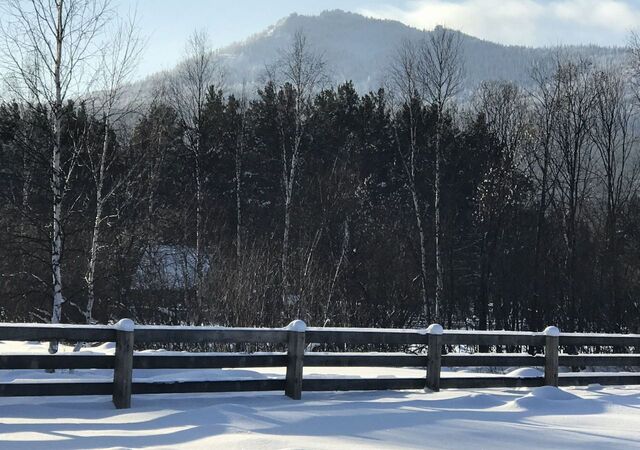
298 326
541 418
125 325
551 331
435 329
525 372
593 417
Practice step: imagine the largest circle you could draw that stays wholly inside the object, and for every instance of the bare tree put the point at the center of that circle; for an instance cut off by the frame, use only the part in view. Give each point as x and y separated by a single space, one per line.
544 100
196 75
48 46
303 70
505 111
241 143
634 47
573 158
404 77
119 60
441 76
614 137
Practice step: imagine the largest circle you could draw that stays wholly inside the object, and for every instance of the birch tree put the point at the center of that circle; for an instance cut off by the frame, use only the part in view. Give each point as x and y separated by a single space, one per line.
504 109
635 63
573 159
303 70
406 82
441 76
48 48
614 137
544 105
118 62
196 75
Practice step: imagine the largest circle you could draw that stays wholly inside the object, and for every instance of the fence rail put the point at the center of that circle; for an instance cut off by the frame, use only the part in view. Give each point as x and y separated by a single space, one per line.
295 338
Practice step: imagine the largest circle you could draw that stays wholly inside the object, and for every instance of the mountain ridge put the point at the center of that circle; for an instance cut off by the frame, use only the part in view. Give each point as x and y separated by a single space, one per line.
360 49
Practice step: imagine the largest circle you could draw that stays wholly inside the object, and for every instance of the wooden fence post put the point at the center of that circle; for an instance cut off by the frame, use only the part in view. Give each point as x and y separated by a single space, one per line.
123 368
434 353
552 339
295 360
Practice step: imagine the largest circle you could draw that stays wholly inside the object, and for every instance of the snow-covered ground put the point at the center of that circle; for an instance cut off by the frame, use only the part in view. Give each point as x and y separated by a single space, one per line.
594 418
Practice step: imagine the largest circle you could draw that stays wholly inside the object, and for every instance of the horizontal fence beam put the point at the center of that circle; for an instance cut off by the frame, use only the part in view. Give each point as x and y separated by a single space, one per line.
194 361
490 382
611 380
351 360
604 340
361 384
185 387
77 361
599 360
364 336
46 389
480 360
46 332
151 334
492 338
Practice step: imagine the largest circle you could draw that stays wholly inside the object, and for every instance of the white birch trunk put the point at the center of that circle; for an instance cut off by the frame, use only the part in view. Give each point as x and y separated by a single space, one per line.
57 239
95 237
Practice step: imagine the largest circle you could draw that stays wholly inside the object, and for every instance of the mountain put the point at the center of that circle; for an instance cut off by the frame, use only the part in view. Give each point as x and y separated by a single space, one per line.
361 49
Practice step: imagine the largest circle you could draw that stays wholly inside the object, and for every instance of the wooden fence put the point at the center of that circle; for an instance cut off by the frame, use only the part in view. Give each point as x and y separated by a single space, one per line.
295 338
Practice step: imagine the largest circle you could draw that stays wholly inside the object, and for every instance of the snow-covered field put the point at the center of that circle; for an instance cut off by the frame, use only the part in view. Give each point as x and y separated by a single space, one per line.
594 418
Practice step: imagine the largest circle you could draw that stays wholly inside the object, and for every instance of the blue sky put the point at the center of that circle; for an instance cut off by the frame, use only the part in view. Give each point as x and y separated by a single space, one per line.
168 23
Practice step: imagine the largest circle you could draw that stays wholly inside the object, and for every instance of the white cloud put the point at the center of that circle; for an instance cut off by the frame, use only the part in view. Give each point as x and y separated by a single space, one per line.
523 22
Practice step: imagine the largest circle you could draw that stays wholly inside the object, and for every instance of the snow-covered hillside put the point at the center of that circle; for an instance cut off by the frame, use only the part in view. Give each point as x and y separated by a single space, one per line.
361 49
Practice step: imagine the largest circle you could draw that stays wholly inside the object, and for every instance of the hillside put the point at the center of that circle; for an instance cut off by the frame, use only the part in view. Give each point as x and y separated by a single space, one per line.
360 49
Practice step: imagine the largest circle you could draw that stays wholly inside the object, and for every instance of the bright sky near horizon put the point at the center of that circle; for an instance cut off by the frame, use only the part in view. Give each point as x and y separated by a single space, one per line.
168 23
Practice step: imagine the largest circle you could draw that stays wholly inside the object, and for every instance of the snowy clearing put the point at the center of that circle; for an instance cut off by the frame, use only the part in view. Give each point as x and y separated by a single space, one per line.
595 417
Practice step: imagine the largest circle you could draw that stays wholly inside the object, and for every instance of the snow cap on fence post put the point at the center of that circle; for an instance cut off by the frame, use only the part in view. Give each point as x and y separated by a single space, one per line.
298 326
551 331
435 328
125 325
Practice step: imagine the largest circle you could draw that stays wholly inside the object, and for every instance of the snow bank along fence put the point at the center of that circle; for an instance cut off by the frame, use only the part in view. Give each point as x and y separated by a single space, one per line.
295 337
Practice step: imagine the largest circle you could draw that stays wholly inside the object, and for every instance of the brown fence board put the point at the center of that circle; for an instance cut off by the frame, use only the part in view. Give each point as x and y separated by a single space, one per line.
194 361
491 338
184 387
480 360
47 332
77 361
366 336
361 384
42 389
490 382
203 334
612 380
599 360
364 360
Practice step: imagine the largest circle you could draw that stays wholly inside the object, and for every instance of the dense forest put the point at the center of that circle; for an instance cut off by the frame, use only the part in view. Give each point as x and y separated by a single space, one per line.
514 209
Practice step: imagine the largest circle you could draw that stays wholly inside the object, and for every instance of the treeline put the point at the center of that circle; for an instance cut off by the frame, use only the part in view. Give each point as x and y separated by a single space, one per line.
393 208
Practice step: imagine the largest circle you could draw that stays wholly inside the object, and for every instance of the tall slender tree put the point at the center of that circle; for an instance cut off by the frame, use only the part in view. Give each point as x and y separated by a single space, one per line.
196 75
48 46
441 76
301 69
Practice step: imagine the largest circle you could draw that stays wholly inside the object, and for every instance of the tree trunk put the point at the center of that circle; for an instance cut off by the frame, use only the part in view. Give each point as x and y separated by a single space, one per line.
239 151
437 218
423 252
57 238
196 314
95 238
